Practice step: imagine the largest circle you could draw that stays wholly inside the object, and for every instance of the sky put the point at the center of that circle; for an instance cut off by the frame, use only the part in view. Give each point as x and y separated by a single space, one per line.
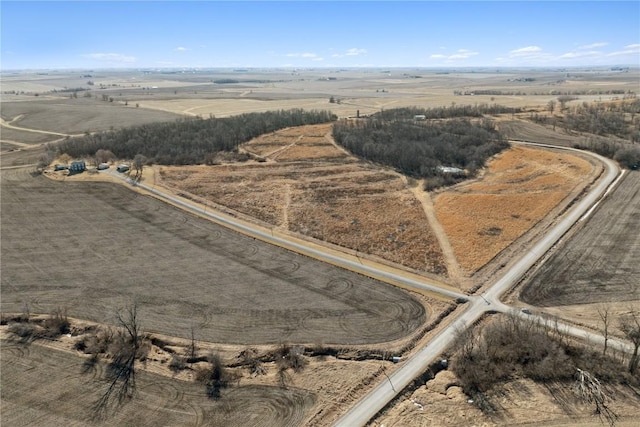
306 34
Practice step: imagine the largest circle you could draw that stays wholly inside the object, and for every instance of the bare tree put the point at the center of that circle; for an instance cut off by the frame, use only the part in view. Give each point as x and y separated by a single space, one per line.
215 377
126 347
251 359
103 156
551 106
589 389
138 164
192 349
630 327
604 313
289 357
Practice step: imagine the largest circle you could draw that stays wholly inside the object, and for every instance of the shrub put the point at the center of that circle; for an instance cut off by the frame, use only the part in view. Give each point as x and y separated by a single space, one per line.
25 331
57 324
177 363
628 157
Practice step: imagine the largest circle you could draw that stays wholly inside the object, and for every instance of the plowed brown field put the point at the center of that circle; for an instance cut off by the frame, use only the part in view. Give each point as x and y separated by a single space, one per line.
600 263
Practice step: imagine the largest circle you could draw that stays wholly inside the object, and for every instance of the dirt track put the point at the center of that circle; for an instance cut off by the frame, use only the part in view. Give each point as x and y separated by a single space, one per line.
93 247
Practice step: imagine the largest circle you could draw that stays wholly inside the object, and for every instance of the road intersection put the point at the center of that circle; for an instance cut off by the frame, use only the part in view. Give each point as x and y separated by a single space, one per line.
478 305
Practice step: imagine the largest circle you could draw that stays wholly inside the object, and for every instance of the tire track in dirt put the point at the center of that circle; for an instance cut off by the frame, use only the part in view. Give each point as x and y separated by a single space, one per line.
8 125
454 271
332 141
286 206
275 153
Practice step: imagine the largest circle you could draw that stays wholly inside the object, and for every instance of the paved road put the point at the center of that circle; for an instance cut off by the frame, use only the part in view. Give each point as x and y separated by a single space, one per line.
353 263
373 402
377 399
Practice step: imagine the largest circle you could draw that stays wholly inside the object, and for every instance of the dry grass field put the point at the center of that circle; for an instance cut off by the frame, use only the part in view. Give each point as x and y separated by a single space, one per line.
311 187
520 187
93 247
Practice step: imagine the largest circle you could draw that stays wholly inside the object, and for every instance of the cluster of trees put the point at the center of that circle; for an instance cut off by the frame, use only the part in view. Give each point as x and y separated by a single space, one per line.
189 141
489 92
417 149
27 329
511 347
454 111
628 155
605 119
626 94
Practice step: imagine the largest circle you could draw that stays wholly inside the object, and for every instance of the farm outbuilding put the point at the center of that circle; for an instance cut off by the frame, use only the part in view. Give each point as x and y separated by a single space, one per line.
77 167
122 168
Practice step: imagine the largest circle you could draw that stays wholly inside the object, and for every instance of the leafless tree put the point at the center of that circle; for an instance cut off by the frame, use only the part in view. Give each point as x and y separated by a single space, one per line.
289 357
589 389
127 346
192 349
551 106
103 156
251 359
604 313
215 377
138 164
630 327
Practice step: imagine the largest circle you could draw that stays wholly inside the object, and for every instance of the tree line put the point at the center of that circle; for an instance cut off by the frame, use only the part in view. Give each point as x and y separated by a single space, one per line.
477 110
606 119
419 148
189 141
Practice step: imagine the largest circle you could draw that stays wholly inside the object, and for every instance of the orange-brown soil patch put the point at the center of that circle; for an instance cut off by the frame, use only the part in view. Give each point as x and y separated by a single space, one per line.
310 186
520 187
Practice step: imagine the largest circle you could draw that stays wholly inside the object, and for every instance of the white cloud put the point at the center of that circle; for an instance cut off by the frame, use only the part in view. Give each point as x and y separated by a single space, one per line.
526 51
111 57
463 54
305 55
182 49
460 54
355 52
302 55
571 55
630 49
350 52
593 45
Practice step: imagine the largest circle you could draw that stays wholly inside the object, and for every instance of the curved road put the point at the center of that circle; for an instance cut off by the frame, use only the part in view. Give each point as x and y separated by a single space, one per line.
377 399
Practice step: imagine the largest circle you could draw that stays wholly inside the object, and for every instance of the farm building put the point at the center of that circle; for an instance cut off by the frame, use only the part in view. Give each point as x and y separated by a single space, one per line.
450 170
122 168
77 167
